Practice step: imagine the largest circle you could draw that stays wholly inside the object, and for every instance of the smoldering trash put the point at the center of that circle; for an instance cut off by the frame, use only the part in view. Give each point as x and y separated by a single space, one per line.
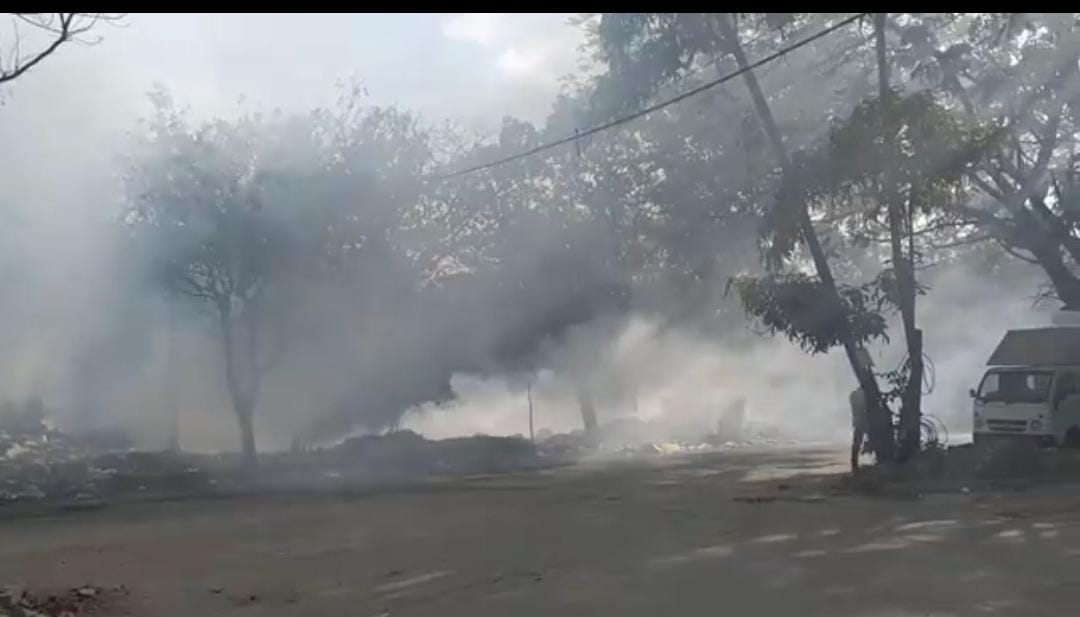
40 463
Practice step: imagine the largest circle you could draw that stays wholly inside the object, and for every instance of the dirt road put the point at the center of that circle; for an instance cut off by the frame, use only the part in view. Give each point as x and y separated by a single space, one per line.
702 535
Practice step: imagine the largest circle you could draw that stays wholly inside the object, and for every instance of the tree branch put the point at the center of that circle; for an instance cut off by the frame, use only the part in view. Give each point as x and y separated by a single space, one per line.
65 26
1011 250
20 66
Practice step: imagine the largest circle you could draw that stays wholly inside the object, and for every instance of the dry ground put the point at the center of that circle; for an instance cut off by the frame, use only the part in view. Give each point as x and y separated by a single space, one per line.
722 533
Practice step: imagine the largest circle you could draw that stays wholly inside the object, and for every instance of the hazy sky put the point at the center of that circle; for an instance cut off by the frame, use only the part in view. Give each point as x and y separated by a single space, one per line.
69 113
475 67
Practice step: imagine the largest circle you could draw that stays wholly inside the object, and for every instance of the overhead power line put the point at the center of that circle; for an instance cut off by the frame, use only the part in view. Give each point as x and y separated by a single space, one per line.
657 106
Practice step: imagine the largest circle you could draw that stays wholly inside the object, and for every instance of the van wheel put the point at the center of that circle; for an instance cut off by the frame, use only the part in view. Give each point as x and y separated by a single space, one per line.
1072 437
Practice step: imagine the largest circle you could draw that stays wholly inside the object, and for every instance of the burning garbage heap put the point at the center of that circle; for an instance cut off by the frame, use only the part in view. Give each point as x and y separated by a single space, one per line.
36 459
402 455
39 461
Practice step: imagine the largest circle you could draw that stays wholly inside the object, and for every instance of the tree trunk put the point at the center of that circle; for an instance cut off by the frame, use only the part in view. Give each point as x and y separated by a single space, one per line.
880 422
171 405
247 436
1066 284
911 404
903 267
242 395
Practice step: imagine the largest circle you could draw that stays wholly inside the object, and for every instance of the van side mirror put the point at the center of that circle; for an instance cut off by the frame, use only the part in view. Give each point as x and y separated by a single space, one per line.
973 394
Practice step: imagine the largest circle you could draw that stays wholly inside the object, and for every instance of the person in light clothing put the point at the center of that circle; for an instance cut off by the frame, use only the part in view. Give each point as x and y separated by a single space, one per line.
857 400
859 419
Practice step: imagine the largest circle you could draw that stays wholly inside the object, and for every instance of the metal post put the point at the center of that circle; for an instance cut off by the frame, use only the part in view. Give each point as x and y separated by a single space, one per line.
528 393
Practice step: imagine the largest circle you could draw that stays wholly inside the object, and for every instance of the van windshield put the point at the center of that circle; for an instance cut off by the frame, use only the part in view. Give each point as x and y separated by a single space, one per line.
1016 386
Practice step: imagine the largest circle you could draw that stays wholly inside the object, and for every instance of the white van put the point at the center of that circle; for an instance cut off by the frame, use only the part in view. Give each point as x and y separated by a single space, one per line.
1032 388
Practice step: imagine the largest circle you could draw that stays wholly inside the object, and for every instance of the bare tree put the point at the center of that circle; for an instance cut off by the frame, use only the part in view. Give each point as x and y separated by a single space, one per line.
18 55
197 194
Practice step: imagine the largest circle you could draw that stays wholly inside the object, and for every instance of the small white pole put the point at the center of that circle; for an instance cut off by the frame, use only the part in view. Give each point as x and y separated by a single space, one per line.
528 393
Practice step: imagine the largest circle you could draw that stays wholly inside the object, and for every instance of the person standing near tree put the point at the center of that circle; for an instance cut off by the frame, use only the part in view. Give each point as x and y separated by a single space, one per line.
857 400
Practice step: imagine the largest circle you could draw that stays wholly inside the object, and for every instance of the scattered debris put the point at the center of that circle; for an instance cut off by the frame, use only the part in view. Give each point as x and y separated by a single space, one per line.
38 461
634 437
20 603
81 478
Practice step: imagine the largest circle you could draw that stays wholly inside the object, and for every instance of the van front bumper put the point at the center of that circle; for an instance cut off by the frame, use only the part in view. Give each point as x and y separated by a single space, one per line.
986 437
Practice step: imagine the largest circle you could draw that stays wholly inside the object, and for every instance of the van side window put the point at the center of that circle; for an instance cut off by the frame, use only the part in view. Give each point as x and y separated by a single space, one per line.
1068 385
990 387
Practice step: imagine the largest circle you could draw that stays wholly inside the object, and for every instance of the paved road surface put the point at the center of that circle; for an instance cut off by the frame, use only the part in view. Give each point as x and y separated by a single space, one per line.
710 534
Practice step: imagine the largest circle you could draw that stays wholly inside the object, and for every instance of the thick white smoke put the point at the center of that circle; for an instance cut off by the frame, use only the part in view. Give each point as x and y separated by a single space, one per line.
685 380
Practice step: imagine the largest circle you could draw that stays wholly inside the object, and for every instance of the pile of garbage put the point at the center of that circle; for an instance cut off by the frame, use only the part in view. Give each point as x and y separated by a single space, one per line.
89 480
25 435
405 454
38 461
636 437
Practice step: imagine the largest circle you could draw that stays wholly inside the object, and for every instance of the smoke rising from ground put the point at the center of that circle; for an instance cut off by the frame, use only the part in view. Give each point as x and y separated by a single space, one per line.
101 350
82 330
687 380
